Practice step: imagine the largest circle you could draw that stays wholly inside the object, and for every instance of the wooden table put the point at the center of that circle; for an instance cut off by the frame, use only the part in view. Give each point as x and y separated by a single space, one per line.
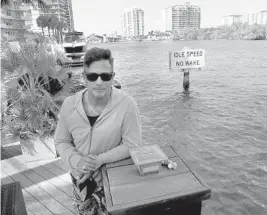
179 191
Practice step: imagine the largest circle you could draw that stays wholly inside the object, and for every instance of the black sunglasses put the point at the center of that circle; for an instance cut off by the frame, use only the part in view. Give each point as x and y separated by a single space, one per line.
94 76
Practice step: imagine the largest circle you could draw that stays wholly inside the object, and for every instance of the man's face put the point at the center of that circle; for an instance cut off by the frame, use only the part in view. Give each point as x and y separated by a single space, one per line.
99 88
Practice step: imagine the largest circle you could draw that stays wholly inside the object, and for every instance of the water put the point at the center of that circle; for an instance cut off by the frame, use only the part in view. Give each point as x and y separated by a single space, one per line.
220 126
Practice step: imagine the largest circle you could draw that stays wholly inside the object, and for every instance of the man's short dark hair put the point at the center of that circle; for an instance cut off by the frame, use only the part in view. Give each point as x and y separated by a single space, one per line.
97 54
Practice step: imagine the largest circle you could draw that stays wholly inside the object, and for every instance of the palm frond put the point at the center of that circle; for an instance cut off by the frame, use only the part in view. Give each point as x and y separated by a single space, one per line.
34 87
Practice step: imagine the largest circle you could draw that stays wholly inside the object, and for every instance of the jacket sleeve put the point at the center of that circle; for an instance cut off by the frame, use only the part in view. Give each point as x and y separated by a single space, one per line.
64 140
131 135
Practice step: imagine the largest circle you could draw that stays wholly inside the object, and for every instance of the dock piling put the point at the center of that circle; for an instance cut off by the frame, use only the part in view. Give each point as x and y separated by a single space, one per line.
186 82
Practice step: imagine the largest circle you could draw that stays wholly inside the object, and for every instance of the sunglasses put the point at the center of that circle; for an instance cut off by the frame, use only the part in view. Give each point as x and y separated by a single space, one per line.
94 76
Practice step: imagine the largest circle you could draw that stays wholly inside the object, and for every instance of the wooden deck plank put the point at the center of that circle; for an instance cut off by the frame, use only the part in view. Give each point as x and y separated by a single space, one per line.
60 173
33 205
17 148
52 190
151 189
60 164
43 197
5 154
169 151
57 171
132 175
45 191
6 179
17 164
29 212
12 151
29 200
199 178
55 180
14 165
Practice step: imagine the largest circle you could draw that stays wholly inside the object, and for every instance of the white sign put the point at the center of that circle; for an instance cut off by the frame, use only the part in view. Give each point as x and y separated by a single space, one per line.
187 59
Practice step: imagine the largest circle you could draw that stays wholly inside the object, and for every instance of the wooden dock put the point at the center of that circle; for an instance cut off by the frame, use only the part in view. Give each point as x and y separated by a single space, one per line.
46 185
47 188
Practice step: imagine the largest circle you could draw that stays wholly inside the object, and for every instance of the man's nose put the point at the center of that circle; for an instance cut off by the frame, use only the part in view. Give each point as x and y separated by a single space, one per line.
99 80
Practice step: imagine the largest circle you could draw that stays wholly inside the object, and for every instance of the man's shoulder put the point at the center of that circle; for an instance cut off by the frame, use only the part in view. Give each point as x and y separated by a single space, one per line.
70 101
123 96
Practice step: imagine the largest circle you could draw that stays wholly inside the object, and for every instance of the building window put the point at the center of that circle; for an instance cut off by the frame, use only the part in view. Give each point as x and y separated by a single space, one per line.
16 4
8 13
8 22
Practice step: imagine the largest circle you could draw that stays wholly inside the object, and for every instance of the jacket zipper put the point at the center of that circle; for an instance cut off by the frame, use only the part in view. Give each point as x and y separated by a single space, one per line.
91 134
91 129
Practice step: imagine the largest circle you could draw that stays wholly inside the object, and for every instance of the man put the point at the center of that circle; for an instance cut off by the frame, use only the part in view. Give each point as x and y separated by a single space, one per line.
96 126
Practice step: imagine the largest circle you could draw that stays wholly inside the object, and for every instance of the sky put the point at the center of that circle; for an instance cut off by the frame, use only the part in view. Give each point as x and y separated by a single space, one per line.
104 16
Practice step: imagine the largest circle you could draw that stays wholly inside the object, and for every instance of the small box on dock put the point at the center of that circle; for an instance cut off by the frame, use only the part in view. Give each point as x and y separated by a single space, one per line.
148 158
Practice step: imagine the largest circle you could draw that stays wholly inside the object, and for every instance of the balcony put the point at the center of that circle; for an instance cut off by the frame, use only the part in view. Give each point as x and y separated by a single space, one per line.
15 27
26 17
20 8
5 16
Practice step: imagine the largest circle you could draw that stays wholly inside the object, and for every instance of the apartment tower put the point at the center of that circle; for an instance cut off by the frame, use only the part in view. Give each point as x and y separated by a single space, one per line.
62 9
133 23
259 18
13 21
180 18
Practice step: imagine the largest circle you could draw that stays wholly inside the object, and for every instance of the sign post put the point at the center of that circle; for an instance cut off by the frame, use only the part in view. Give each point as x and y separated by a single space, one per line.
185 60
186 82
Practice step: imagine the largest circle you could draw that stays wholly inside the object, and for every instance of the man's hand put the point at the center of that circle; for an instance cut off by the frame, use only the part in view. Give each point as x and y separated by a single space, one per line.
87 164
85 176
76 174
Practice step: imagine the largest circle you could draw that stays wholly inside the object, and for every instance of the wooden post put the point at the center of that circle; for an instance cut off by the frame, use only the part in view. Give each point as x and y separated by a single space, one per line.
186 82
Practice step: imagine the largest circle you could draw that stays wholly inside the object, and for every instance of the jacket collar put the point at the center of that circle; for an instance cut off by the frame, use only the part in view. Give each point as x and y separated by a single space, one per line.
117 96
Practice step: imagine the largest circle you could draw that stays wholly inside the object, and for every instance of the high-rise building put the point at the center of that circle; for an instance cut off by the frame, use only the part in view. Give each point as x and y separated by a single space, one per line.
259 18
179 18
62 9
32 13
56 8
232 19
263 17
256 18
13 21
69 15
133 23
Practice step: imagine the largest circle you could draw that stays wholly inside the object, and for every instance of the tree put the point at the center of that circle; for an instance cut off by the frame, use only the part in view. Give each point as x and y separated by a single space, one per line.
48 22
41 22
60 27
53 24
34 87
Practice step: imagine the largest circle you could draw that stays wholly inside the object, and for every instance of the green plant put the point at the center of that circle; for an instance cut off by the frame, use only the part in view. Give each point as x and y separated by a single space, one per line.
33 89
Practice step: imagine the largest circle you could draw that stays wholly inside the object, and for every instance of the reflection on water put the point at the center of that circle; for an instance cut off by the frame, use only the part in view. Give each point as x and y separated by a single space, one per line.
220 124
